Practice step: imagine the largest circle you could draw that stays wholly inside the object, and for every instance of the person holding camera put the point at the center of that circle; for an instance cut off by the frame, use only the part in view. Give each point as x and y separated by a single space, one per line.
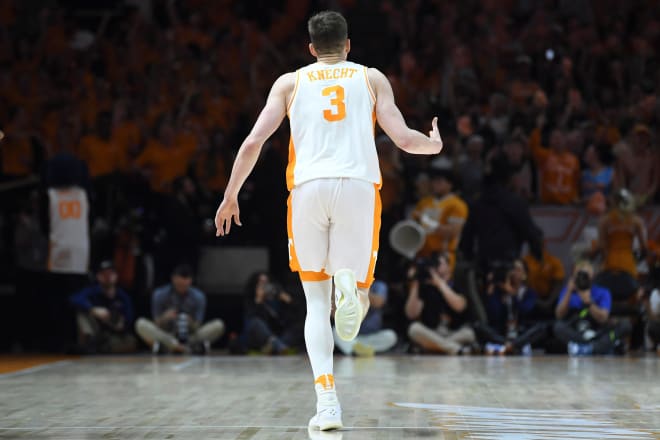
372 338
438 311
510 307
582 316
274 320
104 314
178 311
653 323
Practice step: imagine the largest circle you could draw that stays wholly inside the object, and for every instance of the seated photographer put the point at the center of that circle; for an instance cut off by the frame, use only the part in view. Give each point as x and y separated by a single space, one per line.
178 312
653 305
104 314
438 310
372 338
510 306
582 316
274 319
653 324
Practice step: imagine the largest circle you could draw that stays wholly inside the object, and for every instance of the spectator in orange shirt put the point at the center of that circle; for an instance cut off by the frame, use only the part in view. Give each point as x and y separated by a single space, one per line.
559 169
125 129
16 154
443 215
163 160
210 167
637 166
101 153
546 278
617 231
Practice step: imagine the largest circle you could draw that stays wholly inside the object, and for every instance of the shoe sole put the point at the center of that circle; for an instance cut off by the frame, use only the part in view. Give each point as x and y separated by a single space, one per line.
328 426
337 424
331 426
345 282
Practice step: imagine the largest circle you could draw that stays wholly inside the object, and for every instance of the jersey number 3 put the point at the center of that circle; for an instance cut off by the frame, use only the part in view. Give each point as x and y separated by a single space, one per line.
339 111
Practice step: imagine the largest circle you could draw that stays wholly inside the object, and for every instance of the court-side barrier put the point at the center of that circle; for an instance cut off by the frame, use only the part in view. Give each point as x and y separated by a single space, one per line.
225 269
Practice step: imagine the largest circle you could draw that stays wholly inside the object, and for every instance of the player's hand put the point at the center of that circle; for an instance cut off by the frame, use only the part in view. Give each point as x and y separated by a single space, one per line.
434 134
101 313
227 211
436 280
2 135
169 315
570 286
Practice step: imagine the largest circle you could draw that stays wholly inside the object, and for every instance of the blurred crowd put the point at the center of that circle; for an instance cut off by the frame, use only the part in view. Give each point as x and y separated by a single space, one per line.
140 106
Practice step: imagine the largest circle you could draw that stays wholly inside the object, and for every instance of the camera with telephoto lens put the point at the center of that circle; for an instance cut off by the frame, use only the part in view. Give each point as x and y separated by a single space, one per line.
182 328
582 280
500 270
422 266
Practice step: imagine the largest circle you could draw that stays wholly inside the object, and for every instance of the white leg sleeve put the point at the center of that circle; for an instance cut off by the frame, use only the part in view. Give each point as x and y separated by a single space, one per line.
318 332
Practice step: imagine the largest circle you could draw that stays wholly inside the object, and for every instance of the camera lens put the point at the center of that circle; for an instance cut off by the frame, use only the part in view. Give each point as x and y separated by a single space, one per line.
582 280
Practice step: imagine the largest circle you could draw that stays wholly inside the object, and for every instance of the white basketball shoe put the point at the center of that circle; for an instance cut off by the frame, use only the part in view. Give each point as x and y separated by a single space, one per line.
315 434
348 313
326 418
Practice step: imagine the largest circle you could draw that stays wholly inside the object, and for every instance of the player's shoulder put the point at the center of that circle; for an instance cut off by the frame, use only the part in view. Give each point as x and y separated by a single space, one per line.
286 80
375 75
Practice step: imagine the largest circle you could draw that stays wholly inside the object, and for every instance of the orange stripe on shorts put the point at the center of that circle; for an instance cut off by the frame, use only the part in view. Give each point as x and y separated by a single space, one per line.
374 241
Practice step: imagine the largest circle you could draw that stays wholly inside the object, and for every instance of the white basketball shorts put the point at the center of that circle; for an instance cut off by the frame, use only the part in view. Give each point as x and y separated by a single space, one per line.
333 223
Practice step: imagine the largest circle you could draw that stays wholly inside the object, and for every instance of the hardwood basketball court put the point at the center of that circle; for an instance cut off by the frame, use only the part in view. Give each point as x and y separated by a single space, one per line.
391 397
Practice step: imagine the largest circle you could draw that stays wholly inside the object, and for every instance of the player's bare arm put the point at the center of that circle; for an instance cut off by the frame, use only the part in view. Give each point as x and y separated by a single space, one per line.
391 121
268 121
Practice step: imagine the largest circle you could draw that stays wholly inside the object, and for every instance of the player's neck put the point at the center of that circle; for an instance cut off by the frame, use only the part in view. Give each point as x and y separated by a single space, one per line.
331 58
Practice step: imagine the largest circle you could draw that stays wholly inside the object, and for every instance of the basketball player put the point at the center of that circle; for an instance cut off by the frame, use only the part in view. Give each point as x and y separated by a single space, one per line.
334 179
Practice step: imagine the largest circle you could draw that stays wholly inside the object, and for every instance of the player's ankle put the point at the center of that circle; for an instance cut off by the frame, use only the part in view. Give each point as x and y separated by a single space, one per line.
326 394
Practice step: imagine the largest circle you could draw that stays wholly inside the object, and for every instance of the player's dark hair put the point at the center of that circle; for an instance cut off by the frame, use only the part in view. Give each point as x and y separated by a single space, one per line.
328 31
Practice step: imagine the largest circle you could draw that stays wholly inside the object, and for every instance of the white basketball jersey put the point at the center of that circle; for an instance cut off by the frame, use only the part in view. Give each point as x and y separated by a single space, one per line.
69 230
332 118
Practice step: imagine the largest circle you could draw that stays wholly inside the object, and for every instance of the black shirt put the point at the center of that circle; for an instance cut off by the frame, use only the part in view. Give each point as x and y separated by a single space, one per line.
436 310
498 224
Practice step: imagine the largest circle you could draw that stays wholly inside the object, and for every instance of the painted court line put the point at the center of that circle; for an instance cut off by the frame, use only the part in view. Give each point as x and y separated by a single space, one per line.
485 423
35 369
193 427
183 365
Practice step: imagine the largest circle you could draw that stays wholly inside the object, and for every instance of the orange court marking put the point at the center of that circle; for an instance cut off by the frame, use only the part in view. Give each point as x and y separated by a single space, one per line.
12 363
